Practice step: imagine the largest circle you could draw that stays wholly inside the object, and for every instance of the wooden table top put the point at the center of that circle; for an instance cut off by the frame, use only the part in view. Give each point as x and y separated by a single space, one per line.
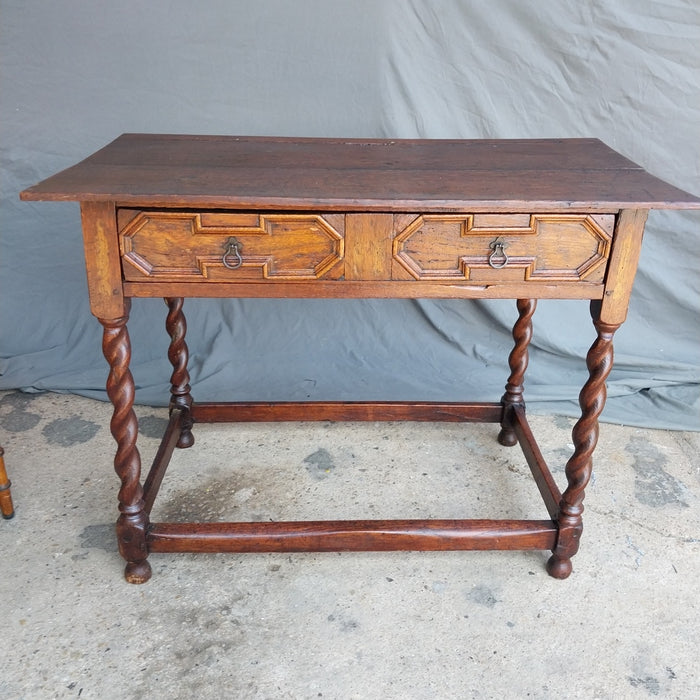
362 175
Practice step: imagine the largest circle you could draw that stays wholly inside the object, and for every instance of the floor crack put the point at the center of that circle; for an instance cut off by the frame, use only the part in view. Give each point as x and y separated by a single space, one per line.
648 528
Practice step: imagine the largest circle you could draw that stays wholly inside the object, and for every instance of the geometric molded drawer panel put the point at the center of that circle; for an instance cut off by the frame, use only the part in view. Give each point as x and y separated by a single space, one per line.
502 247
176 245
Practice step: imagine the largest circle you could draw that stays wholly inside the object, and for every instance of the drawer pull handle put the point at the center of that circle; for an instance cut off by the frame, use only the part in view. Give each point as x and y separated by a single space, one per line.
498 257
232 248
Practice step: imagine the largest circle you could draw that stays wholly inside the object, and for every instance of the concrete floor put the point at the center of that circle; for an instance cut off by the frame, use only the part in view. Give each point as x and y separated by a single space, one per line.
626 624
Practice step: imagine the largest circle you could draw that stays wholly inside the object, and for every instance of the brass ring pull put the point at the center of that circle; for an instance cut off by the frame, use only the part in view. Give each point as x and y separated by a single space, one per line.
232 248
498 252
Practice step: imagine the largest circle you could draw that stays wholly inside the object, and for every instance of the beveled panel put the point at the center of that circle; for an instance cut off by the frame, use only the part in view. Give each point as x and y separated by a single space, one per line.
539 247
190 245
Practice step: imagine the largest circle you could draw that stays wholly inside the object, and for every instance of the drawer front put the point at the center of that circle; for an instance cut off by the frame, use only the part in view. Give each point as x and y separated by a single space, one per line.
213 246
493 248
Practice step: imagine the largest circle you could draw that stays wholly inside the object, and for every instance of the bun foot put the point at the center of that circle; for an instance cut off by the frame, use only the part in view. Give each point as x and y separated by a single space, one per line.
186 439
507 438
137 571
559 567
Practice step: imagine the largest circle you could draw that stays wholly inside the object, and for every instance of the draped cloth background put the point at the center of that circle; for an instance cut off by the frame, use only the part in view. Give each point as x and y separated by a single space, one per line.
75 75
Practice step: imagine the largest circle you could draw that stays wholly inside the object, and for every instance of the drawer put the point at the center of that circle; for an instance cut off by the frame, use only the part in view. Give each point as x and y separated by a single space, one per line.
225 246
492 248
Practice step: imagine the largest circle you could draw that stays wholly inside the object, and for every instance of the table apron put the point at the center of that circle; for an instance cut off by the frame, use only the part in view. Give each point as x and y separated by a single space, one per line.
343 289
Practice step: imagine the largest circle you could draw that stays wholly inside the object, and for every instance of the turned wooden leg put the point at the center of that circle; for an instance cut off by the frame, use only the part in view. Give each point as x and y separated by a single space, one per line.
6 507
517 360
132 524
585 437
178 354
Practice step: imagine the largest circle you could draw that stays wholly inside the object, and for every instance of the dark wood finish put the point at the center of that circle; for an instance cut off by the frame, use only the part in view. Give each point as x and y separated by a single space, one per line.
6 507
353 536
362 175
212 216
162 459
347 411
180 396
133 521
585 436
551 495
517 360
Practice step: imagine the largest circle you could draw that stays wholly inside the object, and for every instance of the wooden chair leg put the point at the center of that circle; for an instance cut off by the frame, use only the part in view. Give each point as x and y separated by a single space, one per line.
6 507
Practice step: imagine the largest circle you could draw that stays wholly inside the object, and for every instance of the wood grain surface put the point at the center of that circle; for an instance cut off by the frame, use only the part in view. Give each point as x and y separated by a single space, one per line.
362 175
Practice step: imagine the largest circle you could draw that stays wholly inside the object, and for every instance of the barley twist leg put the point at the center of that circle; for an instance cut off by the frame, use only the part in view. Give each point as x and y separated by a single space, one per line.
585 436
132 524
178 354
517 361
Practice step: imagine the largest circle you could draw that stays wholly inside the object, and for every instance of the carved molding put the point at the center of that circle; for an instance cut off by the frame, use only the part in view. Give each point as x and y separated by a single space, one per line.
181 245
543 247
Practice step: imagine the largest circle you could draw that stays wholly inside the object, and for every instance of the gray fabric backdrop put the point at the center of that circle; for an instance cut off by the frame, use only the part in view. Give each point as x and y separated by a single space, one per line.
77 74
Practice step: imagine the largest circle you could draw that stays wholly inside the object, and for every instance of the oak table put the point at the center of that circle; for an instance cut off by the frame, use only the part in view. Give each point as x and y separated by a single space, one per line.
214 216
